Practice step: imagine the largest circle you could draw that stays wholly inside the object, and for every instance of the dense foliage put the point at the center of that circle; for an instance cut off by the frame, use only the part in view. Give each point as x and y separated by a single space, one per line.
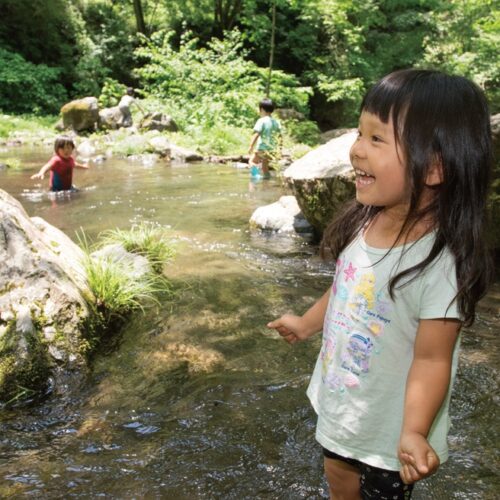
27 87
213 84
207 59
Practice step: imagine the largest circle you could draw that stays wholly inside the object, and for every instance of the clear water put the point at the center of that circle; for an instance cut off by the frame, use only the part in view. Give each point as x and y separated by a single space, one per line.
199 399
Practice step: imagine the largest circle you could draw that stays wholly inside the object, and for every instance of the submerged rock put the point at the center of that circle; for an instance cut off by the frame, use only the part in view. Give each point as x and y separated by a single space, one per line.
323 180
42 303
134 266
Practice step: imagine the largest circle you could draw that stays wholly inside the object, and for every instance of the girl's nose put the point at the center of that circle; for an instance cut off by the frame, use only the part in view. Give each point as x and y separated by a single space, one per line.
357 150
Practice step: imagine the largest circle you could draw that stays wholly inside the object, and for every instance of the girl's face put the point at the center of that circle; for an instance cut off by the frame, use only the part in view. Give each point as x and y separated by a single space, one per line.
66 151
380 172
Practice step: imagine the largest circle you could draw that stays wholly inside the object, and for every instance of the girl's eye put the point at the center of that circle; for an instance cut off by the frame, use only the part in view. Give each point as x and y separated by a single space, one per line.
376 138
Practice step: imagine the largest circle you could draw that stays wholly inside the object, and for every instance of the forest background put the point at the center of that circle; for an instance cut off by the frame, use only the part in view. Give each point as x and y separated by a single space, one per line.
207 63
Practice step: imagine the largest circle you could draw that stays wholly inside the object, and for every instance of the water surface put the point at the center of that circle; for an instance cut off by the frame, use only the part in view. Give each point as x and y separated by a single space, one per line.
199 399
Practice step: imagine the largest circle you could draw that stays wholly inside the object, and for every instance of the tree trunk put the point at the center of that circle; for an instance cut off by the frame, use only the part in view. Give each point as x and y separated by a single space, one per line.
139 17
226 13
271 50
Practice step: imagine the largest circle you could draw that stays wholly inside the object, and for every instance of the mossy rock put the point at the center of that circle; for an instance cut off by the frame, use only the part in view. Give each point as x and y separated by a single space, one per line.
320 199
24 362
81 114
322 180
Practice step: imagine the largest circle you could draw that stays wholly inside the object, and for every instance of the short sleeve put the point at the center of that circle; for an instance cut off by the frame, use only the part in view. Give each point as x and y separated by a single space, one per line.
439 289
259 124
53 162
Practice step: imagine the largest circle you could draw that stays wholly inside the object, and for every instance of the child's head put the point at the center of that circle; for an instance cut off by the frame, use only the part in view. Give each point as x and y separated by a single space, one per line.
442 134
441 122
266 105
130 91
64 142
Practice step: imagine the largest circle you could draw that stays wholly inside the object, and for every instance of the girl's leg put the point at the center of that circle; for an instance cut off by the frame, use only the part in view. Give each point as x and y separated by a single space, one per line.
343 480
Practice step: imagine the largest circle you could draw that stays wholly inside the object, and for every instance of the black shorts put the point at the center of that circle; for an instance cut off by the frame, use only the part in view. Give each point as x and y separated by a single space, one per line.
375 483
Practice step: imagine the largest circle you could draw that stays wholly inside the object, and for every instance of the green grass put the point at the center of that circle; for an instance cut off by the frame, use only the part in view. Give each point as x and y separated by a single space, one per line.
115 294
12 163
144 239
32 126
221 140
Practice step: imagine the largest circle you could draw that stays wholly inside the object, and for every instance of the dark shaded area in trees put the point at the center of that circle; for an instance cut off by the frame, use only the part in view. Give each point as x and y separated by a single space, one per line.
337 47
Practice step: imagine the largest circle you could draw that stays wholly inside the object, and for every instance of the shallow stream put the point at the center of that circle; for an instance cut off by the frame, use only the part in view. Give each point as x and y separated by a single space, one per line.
199 399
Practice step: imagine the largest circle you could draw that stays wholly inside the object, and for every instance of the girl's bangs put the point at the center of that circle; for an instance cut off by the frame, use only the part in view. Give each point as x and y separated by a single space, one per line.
387 98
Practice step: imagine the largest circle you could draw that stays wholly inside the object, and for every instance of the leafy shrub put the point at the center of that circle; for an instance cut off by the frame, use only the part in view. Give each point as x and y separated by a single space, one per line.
27 87
303 131
212 85
111 93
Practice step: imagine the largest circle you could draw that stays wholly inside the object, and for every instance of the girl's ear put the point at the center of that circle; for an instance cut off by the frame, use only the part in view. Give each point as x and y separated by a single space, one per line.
435 173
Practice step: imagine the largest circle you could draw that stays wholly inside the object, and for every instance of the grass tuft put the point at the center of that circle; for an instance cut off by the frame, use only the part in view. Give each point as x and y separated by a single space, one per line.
143 239
116 294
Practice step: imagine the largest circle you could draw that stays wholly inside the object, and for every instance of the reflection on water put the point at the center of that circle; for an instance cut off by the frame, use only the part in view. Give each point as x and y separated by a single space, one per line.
199 399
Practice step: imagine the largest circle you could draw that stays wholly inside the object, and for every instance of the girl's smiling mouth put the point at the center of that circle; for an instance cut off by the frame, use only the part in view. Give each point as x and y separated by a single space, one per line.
362 178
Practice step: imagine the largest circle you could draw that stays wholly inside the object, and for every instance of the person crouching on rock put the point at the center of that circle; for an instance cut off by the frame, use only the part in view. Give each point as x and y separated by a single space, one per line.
61 165
124 106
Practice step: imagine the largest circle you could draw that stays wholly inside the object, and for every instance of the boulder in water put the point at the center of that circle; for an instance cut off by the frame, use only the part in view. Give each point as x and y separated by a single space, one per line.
323 180
43 308
281 216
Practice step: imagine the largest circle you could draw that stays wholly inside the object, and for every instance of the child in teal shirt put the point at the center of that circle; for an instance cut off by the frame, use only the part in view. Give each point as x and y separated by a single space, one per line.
267 137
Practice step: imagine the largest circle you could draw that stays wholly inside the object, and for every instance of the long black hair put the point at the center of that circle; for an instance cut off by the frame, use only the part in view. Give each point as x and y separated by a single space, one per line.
443 118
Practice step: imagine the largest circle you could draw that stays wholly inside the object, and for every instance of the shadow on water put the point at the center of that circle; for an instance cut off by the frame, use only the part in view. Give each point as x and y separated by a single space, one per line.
199 399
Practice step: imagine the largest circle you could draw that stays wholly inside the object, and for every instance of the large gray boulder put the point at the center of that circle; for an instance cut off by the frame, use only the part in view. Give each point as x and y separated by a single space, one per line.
81 114
110 118
43 306
322 180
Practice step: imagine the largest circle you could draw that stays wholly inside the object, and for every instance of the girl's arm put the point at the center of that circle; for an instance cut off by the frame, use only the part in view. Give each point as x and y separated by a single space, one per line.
426 388
294 328
81 165
41 173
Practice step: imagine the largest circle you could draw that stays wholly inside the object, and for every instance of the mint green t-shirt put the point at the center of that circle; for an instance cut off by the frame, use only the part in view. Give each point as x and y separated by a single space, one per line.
358 384
268 129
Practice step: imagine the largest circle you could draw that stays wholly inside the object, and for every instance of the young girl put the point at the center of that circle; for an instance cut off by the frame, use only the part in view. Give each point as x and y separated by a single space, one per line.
61 165
411 265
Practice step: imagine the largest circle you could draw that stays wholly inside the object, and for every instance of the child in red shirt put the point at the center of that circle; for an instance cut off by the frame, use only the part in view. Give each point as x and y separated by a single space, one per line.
61 165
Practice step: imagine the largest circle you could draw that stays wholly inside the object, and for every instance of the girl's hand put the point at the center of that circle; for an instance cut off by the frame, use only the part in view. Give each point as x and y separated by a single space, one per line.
290 327
418 458
39 175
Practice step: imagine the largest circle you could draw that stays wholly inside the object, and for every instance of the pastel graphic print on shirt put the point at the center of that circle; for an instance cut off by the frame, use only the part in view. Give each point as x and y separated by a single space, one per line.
354 326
